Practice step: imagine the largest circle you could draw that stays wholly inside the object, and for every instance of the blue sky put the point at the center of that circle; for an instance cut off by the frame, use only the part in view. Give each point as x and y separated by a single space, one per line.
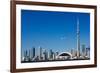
53 30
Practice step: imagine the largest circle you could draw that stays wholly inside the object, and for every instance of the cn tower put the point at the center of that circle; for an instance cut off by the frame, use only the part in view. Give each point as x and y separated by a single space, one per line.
78 39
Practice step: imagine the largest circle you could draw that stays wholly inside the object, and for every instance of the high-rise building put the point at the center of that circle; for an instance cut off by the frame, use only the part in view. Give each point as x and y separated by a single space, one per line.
45 55
88 52
73 53
83 51
56 54
51 54
78 39
41 53
26 56
25 53
29 54
33 52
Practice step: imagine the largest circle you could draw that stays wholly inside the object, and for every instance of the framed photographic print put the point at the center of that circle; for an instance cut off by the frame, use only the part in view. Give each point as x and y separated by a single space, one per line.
52 36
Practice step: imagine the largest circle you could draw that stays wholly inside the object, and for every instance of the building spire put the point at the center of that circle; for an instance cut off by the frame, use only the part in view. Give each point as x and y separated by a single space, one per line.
78 39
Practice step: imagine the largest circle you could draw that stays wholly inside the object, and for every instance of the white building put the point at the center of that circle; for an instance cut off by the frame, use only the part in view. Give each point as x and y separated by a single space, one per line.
65 56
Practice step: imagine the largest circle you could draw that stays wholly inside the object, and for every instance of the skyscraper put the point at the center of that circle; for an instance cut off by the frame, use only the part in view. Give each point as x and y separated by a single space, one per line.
45 55
40 53
78 39
29 54
88 52
83 51
33 52
51 54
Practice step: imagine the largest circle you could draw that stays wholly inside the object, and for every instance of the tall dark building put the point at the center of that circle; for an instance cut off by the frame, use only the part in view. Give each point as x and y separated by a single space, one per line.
33 52
51 54
26 56
45 55
25 53
88 52
40 53
29 56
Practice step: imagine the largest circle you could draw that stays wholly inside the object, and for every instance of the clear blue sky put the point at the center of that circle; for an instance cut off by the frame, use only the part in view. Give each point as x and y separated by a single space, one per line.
53 30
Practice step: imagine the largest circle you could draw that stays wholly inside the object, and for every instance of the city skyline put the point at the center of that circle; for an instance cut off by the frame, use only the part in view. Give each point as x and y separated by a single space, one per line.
54 30
44 55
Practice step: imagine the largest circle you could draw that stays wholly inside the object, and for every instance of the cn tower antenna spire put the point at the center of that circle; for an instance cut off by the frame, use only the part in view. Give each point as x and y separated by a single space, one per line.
78 39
